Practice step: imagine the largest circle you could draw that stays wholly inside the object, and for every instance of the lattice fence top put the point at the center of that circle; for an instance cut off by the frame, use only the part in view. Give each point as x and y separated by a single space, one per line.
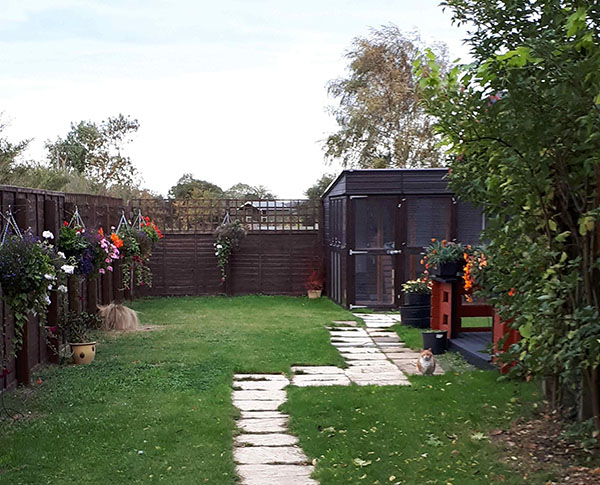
205 215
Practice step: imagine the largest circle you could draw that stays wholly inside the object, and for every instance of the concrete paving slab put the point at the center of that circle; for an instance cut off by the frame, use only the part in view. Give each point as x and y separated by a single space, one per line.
257 405
269 439
276 474
259 377
266 425
317 369
260 385
263 455
262 414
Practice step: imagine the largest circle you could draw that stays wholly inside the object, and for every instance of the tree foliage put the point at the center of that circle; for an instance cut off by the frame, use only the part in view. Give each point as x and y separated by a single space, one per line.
190 188
381 120
245 191
315 191
9 153
522 125
95 150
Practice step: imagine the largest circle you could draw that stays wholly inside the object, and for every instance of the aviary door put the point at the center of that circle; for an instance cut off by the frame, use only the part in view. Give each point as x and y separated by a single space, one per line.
374 250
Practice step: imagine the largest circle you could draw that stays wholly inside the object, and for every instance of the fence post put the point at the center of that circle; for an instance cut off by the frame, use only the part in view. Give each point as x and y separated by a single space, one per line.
23 355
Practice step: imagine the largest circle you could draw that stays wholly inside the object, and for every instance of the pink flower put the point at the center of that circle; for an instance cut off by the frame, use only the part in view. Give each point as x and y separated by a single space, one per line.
101 271
110 268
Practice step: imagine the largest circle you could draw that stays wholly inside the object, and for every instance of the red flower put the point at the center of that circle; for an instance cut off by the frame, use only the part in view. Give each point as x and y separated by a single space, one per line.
511 292
66 224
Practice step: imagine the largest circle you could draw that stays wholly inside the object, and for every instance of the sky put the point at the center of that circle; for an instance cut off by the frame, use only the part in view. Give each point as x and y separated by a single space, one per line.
229 90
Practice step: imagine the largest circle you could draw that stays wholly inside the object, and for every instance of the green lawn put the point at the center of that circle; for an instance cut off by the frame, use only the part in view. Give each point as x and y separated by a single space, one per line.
156 406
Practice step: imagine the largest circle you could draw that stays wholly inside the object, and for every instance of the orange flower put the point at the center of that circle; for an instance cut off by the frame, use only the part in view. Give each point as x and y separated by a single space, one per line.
117 241
511 292
422 262
443 242
101 232
432 239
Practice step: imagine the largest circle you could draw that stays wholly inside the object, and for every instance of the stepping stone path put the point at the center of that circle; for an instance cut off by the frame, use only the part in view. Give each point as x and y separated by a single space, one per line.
265 452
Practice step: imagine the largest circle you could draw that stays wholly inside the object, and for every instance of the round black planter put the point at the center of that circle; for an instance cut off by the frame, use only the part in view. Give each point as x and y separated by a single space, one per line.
447 269
436 341
417 299
416 316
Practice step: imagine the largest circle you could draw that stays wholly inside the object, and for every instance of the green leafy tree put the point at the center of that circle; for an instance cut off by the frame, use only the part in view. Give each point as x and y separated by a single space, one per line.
190 188
95 150
381 120
315 191
522 126
245 191
9 153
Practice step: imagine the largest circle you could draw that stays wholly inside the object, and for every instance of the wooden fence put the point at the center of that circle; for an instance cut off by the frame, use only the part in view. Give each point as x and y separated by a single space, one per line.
283 246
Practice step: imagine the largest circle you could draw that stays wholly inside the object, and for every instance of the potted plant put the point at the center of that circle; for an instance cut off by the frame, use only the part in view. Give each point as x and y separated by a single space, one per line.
76 327
315 284
417 292
434 340
446 256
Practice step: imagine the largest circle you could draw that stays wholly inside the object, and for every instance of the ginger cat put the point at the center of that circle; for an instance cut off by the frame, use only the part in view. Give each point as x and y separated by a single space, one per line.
426 363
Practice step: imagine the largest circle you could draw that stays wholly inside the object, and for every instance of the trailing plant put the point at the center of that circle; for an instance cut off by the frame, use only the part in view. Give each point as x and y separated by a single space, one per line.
29 270
474 270
420 285
136 245
521 127
77 248
228 237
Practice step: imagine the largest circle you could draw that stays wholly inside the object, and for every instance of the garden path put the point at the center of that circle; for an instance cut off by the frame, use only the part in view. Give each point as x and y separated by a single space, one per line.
264 451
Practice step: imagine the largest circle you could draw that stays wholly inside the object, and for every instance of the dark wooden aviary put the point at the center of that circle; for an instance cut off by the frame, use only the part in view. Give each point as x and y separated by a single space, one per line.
376 224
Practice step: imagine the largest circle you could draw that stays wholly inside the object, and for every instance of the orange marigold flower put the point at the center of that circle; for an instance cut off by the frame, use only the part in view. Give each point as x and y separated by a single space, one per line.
432 239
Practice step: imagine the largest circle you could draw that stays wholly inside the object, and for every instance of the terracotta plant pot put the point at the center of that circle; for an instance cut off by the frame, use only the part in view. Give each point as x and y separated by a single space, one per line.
83 353
312 294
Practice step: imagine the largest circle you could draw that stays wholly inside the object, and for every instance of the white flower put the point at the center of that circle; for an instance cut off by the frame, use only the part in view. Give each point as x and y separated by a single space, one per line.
49 276
61 255
47 300
219 246
47 235
62 288
68 268
216 254
49 287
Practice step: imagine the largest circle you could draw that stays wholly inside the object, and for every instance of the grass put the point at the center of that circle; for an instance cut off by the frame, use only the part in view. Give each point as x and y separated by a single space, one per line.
473 322
166 393
156 406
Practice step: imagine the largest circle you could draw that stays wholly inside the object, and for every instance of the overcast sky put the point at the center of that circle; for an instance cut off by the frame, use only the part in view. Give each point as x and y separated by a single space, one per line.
229 90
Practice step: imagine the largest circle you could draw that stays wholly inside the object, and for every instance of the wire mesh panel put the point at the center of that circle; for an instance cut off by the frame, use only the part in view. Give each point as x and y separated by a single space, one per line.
374 279
427 218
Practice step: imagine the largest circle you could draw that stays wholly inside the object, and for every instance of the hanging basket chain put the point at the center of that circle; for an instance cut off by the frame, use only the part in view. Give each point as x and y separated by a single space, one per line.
10 224
76 219
123 222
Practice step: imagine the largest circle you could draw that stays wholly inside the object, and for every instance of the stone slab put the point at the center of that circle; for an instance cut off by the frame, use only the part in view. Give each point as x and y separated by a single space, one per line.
262 414
264 455
370 363
257 405
351 332
269 439
378 324
383 340
351 323
276 474
266 425
259 377
259 395
312 381
369 344
260 385
389 367
317 369
379 382
360 350
363 356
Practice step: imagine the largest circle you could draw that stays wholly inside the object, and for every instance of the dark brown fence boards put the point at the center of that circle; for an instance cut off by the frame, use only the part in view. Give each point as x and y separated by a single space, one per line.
43 210
277 256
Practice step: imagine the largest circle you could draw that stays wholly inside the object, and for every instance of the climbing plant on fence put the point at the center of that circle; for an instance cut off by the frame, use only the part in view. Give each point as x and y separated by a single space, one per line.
522 129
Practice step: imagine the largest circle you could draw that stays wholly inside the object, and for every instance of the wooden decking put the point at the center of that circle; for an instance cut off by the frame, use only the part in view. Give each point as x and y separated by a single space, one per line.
473 346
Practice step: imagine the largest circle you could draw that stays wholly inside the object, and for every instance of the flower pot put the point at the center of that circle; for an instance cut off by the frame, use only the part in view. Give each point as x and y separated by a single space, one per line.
436 341
312 294
416 316
417 299
83 353
447 269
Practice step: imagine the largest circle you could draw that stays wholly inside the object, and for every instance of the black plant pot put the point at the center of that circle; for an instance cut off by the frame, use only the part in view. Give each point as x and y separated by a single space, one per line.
417 299
447 269
416 316
436 341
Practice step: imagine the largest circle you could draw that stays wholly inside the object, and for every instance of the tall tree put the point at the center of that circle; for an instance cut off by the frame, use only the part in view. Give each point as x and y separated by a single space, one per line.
381 120
9 153
190 188
315 191
245 191
522 124
95 150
